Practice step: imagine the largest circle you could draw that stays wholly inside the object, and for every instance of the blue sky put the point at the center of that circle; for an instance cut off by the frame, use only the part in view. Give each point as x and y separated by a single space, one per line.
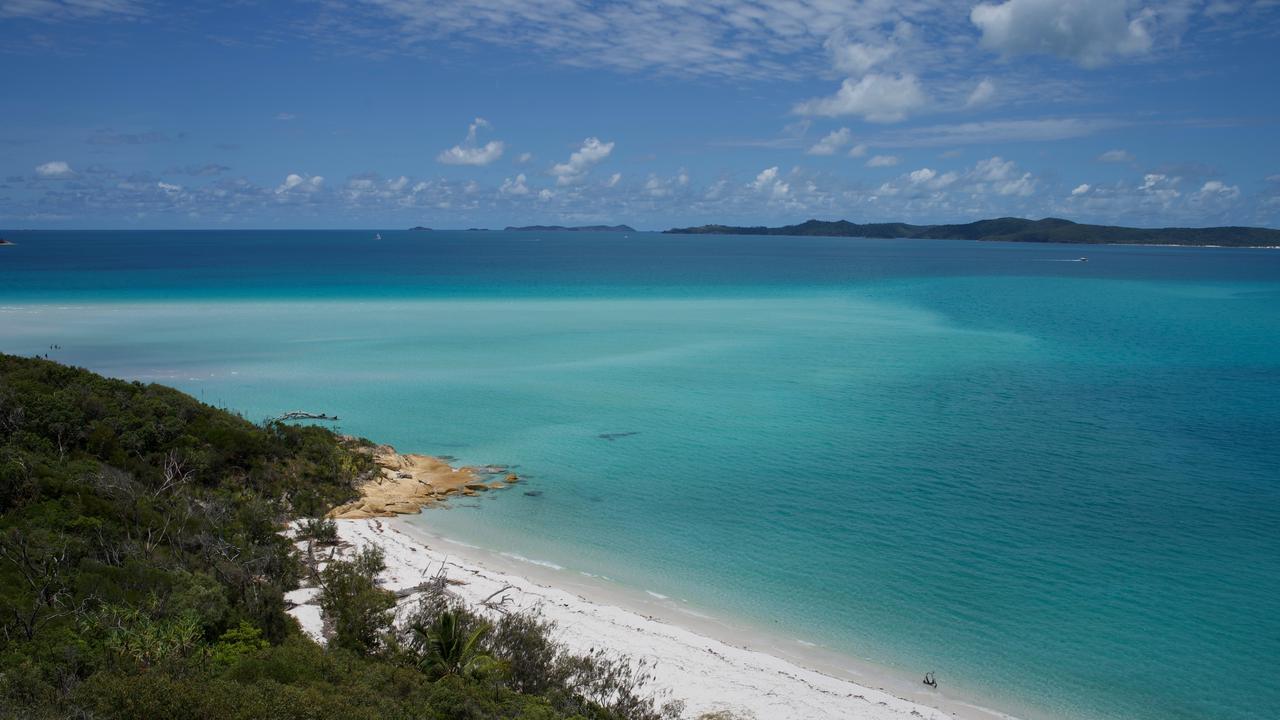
391 113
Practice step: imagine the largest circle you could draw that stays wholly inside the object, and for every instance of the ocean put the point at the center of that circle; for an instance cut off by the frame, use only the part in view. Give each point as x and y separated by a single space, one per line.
1054 483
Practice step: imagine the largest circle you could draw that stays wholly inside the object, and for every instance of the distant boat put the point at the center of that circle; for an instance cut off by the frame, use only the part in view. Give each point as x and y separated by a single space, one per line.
377 236
1083 259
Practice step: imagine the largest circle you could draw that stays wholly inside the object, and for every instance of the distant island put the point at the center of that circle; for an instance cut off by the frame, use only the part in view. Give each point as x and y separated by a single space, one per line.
419 228
579 228
1009 229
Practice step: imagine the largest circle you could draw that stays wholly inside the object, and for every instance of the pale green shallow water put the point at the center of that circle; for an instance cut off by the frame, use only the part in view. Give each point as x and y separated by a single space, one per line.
1054 483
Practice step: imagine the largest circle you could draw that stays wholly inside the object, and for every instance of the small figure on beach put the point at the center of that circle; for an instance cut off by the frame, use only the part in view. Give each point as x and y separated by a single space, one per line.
930 680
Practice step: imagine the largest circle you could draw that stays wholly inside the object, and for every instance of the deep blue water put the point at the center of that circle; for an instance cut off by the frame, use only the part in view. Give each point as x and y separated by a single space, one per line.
1056 483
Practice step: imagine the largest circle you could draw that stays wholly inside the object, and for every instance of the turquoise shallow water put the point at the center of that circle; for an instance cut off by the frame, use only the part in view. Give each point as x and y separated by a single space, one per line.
1055 483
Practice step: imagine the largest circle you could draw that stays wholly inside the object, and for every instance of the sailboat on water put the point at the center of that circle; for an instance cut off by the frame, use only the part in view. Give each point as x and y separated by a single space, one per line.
377 236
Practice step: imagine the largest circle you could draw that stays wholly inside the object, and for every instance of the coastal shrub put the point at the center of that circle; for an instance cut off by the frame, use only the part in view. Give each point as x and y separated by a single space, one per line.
525 643
322 531
526 658
236 643
452 646
617 684
359 611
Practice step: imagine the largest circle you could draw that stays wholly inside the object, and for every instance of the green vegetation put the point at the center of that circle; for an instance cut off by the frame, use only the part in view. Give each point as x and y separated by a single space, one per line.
1048 230
142 575
578 228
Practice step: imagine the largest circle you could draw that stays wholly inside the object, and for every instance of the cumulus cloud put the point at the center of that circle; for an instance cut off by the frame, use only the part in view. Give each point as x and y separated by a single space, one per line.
468 152
514 187
1116 156
883 161
875 98
982 93
581 161
931 179
767 181
1002 176
54 169
830 144
523 158
858 150
1087 32
1080 189
295 183
1160 188
1217 190
766 177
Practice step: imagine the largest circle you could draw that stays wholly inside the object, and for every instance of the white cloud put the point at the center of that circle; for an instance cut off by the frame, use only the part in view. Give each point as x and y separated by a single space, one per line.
285 116
830 144
1160 188
169 187
1116 156
766 177
768 181
54 169
613 180
468 152
982 93
922 175
883 161
524 158
1088 32
857 58
514 187
875 97
294 182
726 38
993 131
1217 190
50 10
858 150
1221 7
930 178
459 155
993 169
581 161
545 194
1080 189
1020 186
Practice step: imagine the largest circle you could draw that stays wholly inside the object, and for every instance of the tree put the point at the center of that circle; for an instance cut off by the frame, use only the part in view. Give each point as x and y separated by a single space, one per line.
358 610
449 649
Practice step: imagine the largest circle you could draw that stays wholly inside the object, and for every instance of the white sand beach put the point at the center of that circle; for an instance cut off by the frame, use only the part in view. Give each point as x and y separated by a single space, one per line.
708 674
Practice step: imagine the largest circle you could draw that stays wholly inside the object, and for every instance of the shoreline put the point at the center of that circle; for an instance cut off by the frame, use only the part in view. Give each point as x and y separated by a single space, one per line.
711 665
